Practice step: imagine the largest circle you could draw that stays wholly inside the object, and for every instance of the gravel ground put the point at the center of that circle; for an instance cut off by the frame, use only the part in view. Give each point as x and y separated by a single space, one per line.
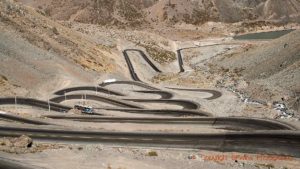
101 156
39 56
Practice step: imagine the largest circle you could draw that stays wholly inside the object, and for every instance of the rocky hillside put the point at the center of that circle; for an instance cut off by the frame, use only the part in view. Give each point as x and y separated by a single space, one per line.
37 52
113 12
272 70
135 12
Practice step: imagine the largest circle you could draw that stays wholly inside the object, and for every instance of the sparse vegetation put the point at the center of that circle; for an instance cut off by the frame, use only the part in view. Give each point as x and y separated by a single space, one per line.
58 39
42 55
268 166
159 55
152 153
163 77
55 31
129 11
3 80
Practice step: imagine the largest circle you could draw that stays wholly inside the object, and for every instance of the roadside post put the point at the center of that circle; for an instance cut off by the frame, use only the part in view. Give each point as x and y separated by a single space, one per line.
65 95
16 102
49 107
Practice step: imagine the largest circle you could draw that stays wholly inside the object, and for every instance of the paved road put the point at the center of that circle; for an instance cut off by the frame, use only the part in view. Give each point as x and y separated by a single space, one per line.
134 76
275 142
135 83
11 164
254 136
166 112
215 94
180 61
88 88
163 94
234 123
186 104
109 100
180 58
145 57
22 119
35 103
130 66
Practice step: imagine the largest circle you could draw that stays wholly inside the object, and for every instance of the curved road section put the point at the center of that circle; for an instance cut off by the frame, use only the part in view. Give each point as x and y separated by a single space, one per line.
11 164
215 94
35 103
163 94
145 57
88 88
134 83
115 102
22 119
130 66
186 104
166 112
252 135
180 60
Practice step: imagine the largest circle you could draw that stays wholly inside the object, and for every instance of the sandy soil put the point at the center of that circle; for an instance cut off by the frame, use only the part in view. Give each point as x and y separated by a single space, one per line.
100 156
39 56
163 12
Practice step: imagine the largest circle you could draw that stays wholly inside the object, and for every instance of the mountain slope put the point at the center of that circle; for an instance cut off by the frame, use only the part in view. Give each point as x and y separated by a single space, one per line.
272 70
136 12
39 54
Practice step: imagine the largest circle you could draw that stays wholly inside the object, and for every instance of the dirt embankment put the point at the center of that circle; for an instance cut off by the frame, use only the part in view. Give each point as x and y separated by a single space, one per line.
49 35
37 52
23 145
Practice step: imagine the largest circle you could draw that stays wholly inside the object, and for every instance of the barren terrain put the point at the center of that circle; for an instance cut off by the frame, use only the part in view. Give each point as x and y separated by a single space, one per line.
168 82
136 12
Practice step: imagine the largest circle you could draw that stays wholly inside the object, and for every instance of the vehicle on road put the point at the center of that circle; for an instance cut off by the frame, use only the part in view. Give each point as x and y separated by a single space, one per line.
84 109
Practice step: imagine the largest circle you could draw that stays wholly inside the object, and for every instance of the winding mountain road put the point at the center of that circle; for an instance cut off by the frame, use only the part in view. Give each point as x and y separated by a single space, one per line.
237 134
215 94
88 88
35 103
